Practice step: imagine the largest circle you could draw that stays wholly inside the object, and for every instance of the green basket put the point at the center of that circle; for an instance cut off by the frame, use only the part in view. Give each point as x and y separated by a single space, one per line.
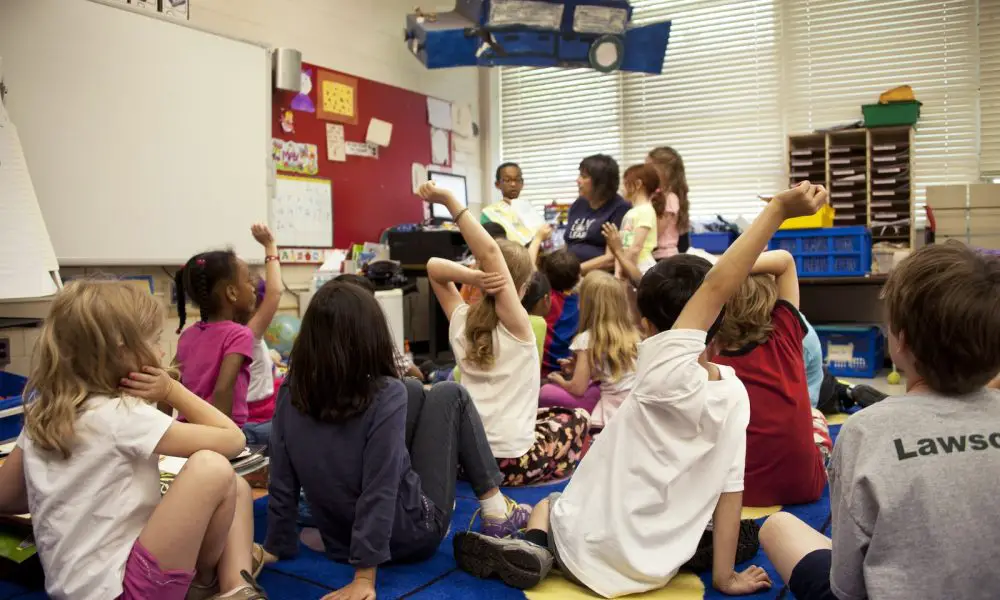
891 114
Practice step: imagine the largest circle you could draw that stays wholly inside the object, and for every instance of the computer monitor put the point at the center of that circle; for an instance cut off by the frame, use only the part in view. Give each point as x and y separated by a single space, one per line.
453 183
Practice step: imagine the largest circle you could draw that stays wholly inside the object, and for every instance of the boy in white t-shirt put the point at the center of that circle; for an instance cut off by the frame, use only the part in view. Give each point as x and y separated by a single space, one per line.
671 461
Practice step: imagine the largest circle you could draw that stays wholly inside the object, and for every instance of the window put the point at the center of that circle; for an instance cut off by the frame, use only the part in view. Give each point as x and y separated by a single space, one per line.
740 76
716 102
551 119
989 74
840 54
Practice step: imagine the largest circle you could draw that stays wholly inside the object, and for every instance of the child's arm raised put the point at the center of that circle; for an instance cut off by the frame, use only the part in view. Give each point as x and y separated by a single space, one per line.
728 274
535 247
781 264
444 275
490 259
207 428
272 282
725 536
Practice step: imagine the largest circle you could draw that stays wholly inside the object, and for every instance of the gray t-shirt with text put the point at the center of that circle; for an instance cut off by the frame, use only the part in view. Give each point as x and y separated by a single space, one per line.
914 487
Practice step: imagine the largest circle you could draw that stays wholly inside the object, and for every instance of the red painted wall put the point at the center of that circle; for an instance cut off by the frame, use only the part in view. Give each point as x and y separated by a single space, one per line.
369 194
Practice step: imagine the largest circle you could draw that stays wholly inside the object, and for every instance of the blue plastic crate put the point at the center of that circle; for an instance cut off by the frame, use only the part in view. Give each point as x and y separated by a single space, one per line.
830 252
852 351
713 242
12 406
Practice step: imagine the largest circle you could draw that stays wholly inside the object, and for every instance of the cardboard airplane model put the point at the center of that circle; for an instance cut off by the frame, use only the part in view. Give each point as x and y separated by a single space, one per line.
538 33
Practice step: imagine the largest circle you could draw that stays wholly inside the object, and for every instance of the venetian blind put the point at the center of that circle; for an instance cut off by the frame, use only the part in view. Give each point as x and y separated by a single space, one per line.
989 74
551 119
840 54
716 103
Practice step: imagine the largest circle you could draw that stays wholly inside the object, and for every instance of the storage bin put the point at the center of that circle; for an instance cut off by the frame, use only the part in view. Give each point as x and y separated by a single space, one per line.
823 218
891 114
852 351
12 405
713 242
830 252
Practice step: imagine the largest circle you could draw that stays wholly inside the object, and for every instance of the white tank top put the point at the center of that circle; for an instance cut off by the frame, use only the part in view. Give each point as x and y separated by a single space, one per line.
506 395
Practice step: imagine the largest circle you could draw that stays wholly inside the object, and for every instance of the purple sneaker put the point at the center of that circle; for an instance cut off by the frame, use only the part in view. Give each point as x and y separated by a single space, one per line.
515 521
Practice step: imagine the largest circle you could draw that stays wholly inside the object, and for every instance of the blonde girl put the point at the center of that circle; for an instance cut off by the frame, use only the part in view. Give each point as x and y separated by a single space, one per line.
86 464
605 351
495 349
673 224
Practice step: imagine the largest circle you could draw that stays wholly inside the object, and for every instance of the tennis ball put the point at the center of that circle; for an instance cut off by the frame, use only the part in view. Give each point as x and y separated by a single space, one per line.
894 378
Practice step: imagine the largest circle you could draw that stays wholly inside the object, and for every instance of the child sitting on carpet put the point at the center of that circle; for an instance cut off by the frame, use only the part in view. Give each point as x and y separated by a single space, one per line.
562 268
214 354
86 464
495 349
375 457
671 461
912 479
605 351
262 391
761 337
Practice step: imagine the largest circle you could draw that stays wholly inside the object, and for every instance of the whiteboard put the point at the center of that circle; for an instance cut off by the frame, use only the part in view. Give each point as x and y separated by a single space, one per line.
147 140
302 212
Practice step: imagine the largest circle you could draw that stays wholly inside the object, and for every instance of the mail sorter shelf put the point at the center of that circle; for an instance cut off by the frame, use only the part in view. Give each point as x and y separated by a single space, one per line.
869 174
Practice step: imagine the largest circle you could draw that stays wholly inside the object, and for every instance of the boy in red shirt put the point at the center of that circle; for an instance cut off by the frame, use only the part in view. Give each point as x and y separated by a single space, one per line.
787 441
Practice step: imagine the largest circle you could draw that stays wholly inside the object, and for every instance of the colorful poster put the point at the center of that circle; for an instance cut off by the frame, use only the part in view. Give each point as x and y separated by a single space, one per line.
337 98
294 157
302 102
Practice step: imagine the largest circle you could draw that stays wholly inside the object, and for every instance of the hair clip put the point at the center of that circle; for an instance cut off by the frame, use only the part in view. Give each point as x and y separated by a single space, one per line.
200 262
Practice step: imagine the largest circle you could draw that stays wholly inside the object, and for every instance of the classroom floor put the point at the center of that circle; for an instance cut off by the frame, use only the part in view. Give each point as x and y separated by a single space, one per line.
311 576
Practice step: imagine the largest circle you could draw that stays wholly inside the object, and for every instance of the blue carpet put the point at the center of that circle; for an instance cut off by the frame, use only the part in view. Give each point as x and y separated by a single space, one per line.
311 575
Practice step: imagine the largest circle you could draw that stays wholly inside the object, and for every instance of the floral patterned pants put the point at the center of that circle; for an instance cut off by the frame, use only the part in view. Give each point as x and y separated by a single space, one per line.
561 435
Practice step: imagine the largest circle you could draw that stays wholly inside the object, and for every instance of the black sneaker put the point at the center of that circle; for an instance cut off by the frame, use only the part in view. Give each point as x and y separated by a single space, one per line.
520 564
746 547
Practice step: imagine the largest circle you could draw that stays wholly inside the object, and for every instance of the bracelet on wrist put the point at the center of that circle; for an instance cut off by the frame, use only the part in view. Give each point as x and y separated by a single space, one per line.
269 258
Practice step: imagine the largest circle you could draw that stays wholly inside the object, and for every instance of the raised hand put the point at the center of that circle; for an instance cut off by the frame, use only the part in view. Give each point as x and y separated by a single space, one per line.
433 194
802 200
262 233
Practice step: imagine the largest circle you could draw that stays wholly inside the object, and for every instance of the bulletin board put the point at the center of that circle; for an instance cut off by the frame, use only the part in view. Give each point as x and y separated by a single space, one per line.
372 193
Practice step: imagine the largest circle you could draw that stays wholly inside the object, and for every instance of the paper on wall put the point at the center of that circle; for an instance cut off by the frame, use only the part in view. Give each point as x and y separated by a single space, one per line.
418 176
336 149
362 149
461 117
440 147
463 150
379 132
439 114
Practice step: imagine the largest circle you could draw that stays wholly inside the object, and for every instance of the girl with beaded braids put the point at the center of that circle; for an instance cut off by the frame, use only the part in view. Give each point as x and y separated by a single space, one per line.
214 354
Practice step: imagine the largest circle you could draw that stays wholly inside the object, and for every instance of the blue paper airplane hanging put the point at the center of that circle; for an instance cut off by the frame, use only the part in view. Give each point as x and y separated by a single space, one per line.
538 33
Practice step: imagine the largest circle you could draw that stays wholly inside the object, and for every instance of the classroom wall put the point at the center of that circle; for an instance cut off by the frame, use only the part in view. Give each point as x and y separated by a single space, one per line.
360 37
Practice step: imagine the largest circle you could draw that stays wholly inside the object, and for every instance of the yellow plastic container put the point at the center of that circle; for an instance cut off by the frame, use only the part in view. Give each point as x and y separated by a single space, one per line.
821 220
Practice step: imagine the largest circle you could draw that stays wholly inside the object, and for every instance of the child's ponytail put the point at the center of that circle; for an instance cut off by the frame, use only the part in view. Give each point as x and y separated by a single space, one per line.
181 299
483 321
659 201
673 180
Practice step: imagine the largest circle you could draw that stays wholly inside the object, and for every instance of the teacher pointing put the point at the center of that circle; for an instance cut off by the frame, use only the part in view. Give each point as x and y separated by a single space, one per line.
599 203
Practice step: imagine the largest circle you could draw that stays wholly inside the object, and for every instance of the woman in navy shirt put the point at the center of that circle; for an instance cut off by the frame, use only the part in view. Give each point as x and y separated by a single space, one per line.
599 203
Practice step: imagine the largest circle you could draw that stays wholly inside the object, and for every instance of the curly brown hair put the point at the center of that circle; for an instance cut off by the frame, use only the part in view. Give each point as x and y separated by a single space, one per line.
943 302
748 313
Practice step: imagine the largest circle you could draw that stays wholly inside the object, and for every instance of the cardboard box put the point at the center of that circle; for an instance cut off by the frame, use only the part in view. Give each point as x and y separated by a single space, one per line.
984 195
951 221
941 197
984 220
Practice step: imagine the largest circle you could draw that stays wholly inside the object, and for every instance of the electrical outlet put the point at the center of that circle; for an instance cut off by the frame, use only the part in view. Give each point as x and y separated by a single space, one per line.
4 352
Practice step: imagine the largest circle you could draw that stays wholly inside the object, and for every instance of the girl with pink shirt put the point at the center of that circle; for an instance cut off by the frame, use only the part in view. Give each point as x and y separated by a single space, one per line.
672 226
214 354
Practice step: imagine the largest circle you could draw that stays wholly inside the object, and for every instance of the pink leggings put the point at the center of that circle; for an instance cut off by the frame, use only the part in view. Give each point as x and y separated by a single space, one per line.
553 396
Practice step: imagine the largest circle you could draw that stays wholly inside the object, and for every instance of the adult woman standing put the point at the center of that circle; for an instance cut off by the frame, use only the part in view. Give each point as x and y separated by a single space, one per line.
673 226
599 203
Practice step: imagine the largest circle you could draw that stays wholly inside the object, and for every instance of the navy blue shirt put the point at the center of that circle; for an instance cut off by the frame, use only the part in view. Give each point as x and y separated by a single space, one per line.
365 499
583 226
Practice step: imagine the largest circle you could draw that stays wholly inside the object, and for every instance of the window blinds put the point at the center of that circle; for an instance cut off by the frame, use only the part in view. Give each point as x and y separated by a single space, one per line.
717 102
989 74
739 76
551 119
840 54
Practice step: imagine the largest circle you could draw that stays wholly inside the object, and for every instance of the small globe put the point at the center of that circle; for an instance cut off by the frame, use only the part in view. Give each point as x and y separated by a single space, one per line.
281 334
